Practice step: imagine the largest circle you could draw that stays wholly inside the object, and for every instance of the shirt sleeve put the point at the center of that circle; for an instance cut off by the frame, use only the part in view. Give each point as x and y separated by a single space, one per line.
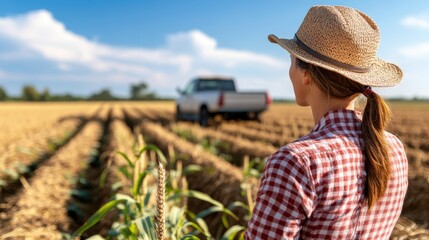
284 199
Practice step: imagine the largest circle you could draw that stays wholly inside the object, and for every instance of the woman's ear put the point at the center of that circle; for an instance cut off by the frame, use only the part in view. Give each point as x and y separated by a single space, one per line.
306 78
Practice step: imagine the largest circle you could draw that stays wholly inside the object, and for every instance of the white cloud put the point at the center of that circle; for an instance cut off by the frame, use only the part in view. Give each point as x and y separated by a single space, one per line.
41 33
16 55
38 35
418 51
421 22
205 48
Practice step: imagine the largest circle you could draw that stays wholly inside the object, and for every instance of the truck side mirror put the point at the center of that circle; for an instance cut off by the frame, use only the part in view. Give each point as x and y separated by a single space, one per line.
180 91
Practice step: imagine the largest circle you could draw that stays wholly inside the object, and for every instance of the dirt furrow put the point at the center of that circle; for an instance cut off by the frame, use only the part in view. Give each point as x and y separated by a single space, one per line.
237 147
40 211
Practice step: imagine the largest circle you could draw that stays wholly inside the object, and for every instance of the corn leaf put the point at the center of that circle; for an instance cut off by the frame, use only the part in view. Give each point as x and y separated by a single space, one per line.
137 186
208 211
232 232
130 163
189 237
146 227
203 197
156 150
175 215
236 204
191 169
124 170
103 178
97 216
147 196
203 226
96 237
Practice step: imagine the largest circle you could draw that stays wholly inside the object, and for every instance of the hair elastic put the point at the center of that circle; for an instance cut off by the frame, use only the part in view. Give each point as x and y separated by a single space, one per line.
367 91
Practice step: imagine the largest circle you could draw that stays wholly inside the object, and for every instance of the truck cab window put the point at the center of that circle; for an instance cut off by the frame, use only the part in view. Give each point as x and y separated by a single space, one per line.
219 85
190 88
227 86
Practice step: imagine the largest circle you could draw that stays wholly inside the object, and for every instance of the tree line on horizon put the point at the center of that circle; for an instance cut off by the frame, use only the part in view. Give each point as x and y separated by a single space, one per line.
138 91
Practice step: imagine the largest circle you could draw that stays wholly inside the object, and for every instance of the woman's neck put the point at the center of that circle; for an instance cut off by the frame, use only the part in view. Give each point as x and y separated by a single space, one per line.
321 104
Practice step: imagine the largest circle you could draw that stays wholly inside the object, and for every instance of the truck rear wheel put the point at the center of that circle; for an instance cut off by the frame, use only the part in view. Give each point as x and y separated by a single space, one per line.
178 114
204 117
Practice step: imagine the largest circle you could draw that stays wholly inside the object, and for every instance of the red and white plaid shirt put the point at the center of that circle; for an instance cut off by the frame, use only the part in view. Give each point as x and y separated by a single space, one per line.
313 188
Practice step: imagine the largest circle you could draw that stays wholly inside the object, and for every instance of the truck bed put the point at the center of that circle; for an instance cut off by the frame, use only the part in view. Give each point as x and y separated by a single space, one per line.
243 102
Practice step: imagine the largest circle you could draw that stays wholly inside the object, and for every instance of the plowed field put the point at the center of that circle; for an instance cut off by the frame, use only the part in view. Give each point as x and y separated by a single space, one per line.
53 157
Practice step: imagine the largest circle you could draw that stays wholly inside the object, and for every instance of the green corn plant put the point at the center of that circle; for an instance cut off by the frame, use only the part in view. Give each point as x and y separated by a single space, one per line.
170 219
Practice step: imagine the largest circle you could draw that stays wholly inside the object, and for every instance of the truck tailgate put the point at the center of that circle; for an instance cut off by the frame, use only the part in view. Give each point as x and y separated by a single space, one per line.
244 101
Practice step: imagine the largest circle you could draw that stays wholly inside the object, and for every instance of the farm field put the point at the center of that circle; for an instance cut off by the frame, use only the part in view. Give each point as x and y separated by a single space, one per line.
59 163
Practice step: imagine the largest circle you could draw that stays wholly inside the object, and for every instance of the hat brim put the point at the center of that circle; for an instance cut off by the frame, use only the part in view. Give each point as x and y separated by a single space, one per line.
380 74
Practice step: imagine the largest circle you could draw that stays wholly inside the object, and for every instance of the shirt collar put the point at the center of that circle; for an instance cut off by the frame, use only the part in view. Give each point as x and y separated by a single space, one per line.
338 116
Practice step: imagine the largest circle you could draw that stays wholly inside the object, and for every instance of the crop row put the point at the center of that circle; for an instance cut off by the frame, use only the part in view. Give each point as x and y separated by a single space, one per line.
24 155
39 209
25 120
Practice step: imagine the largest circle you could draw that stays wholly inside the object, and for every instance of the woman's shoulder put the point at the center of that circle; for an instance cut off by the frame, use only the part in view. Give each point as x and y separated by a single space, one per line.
295 153
311 144
393 139
313 149
397 149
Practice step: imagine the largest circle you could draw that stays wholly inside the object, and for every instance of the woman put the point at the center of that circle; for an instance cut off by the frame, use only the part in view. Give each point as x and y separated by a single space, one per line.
347 178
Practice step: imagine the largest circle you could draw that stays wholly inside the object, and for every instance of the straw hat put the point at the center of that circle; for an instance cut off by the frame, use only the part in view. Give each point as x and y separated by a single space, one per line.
343 40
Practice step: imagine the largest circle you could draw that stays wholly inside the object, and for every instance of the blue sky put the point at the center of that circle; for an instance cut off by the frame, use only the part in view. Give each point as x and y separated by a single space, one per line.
81 47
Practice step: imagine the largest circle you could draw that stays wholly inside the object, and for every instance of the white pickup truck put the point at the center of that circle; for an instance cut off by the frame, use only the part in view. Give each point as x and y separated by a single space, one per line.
205 97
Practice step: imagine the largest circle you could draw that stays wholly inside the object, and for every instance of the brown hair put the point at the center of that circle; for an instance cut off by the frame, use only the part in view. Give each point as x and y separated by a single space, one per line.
375 117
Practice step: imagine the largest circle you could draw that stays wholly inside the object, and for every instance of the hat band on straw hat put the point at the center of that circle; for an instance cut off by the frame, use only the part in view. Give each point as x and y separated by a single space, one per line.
328 59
